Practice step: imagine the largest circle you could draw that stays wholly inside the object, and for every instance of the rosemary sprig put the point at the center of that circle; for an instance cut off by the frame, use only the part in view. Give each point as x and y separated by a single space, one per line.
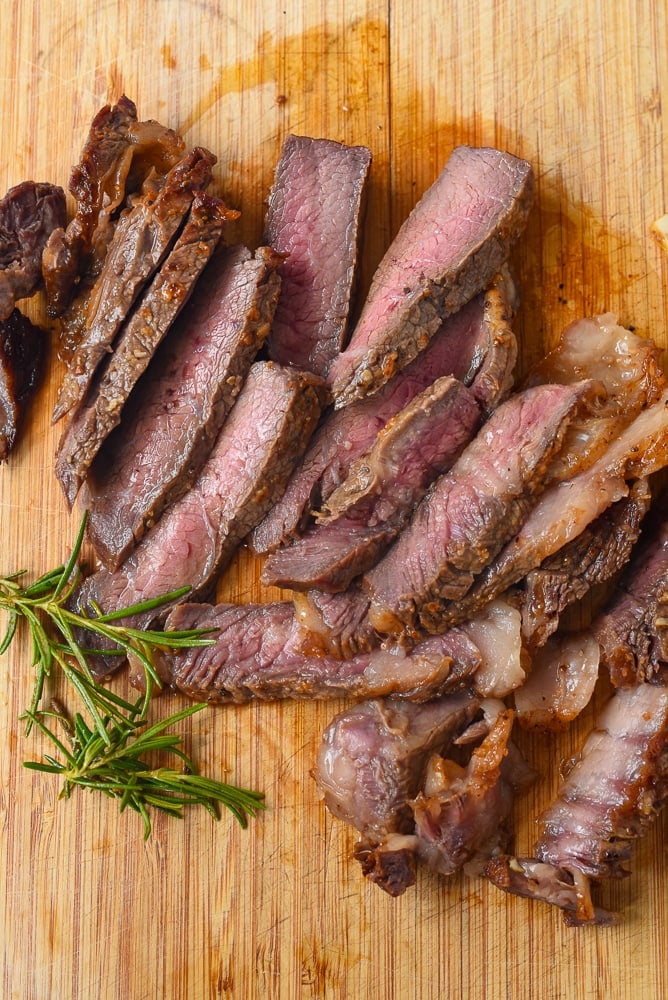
108 750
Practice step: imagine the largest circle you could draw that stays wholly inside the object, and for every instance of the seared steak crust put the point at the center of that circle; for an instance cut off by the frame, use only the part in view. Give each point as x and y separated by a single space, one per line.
22 353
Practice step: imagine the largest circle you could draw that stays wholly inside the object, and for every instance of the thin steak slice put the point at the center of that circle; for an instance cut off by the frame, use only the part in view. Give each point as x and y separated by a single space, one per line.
449 248
476 340
611 795
258 655
22 353
171 421
136 343
336 624
141 240
29 213
472 510
370 766
117 156
197 536
314 216
367 512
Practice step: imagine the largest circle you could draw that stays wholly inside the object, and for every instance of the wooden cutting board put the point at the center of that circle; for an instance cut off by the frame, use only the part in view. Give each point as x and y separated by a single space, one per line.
207 909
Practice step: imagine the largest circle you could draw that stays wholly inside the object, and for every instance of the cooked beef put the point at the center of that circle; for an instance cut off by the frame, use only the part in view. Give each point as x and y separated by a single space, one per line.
197 536
595 555
474 340
171 421
561 682
632 630
22 353
448 249
258 655
612 793
137 342
370 765
367 512
314 216
337 624
536 880
142 238
472 510
29 212
118 154
568 507
495 630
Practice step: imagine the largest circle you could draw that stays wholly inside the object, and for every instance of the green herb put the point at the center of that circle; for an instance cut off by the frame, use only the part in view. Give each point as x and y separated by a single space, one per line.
106 751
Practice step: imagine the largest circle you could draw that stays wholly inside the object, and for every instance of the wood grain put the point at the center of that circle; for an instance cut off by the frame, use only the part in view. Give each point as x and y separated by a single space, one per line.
206 910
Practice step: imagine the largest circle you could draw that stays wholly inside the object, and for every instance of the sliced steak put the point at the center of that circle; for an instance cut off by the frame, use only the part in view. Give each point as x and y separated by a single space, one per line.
561 682
336 624
314 216
137 342
367 512
472 510
170 423
370 766
141 240
22 354
632 630
611 795
258 655
448 249
474 340
198 535
29 213
118 154
595 555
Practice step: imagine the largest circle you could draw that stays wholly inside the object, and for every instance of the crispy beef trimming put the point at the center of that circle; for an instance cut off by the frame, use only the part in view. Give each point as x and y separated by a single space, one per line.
314 217
141 240
197 536
22 354
172 419
449 248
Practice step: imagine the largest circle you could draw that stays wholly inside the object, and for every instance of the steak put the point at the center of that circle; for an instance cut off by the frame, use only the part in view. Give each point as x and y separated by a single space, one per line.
314 217
171 421
258 655
197 536
367 512
137 342
336 624
449 248
471 511
29 212
22 354
141 240
117 156
462 348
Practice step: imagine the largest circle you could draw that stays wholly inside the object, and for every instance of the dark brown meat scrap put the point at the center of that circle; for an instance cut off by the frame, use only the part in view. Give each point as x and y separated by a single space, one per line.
138 340
314 217
142 238
367 512
118 154
169 426
29 212
22 354
258 655
476 341
450 247
197 536
472 510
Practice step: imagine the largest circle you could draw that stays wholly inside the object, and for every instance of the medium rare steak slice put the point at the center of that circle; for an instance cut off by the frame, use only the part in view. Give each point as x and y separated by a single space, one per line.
337 624
198 535
258 655
314 216
138 340
370 766
477 339
142 238
471 512
367 512
170 423
449 248
118 154
22 353
29 213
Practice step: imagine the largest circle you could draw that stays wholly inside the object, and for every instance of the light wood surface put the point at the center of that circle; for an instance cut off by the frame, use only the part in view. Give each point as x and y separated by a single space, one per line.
206 909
